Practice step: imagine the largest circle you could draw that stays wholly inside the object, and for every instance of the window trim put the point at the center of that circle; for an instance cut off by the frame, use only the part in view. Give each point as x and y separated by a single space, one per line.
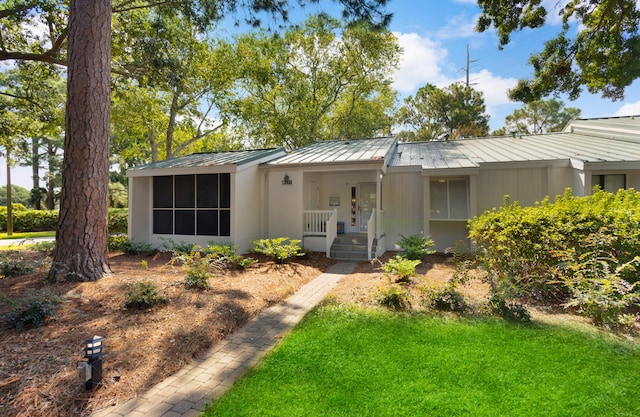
447 180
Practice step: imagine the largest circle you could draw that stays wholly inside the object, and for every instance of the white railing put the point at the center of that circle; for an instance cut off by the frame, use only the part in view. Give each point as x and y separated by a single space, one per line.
379 224
322 223
371 232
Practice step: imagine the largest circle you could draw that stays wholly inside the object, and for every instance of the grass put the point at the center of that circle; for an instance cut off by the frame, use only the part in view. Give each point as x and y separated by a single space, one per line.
342 361
27 235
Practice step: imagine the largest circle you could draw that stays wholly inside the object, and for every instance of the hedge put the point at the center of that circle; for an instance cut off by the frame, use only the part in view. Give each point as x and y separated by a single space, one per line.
42 220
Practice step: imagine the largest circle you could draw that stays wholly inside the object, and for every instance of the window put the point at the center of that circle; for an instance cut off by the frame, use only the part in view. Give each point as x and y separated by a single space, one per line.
610 183
192 205
449 199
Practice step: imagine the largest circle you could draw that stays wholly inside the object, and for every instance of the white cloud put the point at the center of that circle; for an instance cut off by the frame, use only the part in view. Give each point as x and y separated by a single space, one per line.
421 63
494 90
629 109
458 27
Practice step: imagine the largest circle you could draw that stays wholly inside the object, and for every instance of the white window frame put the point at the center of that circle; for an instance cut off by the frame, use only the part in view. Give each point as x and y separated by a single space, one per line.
449 203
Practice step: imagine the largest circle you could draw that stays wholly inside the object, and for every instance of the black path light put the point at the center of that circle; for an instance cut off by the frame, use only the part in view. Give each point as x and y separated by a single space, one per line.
91 371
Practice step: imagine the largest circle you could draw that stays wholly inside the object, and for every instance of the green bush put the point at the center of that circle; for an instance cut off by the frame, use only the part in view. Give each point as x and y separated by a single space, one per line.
595 280
394 296
25 220
138 248
31 311
227 257
12 264
197 271
447 299
279 249
117 242
143 295
524 249
509 310
416 246
118 220
401 267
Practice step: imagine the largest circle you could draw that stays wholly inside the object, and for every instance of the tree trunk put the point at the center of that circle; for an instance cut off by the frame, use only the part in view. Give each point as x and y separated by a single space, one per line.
35 174
9 198
50 202
81 252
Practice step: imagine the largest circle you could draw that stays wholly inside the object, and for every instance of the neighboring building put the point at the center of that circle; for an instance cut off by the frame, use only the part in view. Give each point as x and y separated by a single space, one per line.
377 188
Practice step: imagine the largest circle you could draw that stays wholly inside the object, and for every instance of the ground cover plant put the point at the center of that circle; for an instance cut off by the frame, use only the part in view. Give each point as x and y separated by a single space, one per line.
144 342
350 361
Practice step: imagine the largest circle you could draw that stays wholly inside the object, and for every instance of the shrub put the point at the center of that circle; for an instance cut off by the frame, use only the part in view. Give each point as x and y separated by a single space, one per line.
416 246
525 247
138 248
278 249
226 256
44 247
394 296
31 311
197 272
118 220
143 295
447 299
117 242
12 264
509 310
402 268
596 284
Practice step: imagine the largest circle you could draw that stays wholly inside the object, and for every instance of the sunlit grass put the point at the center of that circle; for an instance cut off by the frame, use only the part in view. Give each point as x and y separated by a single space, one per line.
27 235
347 362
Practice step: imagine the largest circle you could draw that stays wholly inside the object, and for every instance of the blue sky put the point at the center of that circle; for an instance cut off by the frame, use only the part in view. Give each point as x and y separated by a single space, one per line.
434 36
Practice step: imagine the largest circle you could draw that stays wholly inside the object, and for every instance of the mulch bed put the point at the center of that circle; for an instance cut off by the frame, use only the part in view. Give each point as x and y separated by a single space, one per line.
38 375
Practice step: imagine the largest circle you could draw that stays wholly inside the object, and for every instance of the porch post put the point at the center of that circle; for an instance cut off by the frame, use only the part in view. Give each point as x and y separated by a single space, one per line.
378 209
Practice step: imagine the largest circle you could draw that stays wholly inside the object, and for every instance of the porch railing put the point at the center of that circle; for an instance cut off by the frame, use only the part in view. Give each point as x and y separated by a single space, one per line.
322 223
371 232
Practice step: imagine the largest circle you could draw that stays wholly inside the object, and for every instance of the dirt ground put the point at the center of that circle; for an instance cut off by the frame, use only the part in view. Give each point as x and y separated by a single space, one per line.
38 375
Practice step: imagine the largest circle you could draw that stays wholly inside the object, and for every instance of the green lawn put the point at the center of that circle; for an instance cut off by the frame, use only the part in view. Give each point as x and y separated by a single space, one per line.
27 235
347 362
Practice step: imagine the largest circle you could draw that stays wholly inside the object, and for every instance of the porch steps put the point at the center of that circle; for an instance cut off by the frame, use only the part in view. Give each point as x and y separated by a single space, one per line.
352 247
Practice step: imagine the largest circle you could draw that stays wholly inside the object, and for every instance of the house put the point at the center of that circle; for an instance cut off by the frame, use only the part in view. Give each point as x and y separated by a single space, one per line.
367 193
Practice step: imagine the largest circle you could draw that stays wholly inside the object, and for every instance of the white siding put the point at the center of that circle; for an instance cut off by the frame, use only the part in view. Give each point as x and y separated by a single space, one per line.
403 206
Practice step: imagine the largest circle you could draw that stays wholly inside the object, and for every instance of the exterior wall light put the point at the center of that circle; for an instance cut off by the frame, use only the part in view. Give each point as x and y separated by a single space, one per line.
286 180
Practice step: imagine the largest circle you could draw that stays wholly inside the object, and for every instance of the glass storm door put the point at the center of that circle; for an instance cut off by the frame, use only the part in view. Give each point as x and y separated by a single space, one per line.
366 203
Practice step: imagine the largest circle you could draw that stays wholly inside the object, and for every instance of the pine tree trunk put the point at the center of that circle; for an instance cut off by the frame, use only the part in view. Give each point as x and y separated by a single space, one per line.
81 252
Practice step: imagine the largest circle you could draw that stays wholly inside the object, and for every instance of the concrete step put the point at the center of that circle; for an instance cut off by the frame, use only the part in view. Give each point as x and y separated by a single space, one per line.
349 256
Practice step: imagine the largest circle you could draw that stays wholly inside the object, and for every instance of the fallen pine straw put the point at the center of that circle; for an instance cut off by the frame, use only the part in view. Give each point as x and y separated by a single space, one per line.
38 375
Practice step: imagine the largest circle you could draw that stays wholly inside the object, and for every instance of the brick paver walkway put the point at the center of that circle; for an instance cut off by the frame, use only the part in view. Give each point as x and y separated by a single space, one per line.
186 392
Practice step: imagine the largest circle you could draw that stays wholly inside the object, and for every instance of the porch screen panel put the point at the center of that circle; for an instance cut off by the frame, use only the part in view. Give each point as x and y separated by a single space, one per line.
225 222
192 205
207 191
207 221
163 222
225 190
185 191
163 192
185 222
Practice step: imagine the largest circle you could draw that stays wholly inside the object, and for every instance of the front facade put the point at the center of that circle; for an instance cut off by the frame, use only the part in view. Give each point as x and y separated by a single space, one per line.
378 188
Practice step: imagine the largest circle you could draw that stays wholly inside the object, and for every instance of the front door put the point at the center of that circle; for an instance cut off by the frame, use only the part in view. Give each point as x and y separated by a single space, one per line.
366 203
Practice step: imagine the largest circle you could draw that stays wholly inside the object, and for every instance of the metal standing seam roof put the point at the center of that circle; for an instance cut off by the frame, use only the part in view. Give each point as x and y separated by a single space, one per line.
470 153
211 159
358 150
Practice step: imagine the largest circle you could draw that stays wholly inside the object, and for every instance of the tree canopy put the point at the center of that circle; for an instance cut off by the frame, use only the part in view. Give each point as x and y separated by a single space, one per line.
540 116
597 48
319 81
456 111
